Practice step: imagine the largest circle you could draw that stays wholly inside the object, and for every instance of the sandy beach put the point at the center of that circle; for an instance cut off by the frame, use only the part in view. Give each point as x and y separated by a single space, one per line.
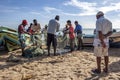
70 66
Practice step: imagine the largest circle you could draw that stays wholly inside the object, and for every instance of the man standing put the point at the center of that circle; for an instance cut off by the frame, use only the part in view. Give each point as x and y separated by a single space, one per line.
36 32
53 27
66 36
21 34
101 41
44 31
71 35
78 31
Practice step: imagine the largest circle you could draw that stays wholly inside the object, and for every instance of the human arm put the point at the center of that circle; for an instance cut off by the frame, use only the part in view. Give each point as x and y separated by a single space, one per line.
109 31
75 29
99 28
101 38
78 29
108 34
38 28
22 29
58 26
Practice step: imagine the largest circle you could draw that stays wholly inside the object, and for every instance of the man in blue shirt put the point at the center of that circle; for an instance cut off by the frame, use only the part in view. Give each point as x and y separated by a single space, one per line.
78 31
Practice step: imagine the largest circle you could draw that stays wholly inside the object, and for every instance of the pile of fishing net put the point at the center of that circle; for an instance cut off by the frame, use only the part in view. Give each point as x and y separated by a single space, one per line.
33 51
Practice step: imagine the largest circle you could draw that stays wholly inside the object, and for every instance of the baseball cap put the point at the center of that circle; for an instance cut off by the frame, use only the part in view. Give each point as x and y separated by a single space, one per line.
24 22
100 13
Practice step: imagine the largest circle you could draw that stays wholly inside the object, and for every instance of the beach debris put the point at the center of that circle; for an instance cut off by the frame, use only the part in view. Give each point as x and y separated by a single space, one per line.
27 76
12 58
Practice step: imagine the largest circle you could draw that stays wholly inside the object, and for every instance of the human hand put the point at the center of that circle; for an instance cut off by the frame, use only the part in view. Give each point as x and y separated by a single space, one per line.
105 36
29 33
103 44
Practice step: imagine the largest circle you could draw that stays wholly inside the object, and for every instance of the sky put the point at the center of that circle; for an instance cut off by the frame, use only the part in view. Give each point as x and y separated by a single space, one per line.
12 12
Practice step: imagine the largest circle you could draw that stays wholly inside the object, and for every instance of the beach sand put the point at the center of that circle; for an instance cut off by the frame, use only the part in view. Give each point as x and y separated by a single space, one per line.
70 66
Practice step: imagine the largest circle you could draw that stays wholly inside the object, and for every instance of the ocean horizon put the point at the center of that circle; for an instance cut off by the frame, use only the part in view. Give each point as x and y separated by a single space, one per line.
90 31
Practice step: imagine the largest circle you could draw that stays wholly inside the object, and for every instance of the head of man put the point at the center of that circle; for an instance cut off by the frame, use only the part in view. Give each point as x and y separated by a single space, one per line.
31 24
46 26
99 14
76 22
24 22
35 21
57 17
69 22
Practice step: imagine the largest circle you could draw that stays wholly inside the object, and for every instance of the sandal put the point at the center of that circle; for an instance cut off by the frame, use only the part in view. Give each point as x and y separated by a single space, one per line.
105 70
96 71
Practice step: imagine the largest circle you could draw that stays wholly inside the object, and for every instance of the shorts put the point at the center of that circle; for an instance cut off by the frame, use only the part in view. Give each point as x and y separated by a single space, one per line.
22 40
100 51
51 38
79 36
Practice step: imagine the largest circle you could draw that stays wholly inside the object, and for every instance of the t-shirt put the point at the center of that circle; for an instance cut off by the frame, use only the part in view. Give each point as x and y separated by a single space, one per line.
53 26
71 32
36 28
103 25
21 29
78 29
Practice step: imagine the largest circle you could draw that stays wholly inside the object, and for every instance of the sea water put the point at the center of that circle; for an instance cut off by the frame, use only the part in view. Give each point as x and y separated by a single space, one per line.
90 31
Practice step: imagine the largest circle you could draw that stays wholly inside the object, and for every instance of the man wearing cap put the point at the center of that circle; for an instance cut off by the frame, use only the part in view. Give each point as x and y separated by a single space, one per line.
53 27
21 34
101 41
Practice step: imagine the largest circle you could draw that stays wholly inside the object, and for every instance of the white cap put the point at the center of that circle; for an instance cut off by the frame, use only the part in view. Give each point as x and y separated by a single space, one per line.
100 13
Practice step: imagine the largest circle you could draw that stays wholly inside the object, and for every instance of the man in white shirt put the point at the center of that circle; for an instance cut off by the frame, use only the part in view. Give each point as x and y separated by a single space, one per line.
53 27
36 27
101 41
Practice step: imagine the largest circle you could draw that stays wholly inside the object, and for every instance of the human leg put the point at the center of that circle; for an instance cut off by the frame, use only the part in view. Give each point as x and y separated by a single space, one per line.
98 59
22 40
54 44
22 43
48 43
106 60
72 44
97 53
81 43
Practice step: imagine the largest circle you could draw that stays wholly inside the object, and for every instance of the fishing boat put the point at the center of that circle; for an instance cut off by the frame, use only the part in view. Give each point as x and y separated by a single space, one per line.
114 40
88 40
9 38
